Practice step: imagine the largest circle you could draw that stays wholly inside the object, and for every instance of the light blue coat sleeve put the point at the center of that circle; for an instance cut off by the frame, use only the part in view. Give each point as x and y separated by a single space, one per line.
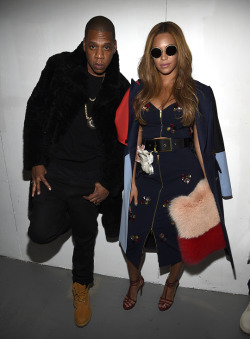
125 204
225 183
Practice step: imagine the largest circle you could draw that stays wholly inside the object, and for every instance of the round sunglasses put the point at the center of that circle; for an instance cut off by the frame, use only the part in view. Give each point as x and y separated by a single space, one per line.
156 52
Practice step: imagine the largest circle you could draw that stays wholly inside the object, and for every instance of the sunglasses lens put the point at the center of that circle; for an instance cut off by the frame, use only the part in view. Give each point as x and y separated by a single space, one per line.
155 53
171 50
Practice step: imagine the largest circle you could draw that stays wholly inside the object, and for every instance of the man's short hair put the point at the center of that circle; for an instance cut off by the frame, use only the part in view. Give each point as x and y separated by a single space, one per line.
100 23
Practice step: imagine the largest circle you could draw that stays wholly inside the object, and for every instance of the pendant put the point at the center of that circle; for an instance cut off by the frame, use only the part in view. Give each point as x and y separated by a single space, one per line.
90 123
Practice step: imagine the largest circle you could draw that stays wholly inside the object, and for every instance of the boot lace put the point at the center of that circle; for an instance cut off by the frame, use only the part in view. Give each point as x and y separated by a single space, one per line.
81 296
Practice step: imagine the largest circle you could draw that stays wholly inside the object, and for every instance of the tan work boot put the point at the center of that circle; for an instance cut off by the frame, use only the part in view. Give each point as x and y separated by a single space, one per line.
82 304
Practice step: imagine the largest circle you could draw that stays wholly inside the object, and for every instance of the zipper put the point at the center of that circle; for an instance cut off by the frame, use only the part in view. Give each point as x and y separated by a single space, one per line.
161 123
157 203
158 193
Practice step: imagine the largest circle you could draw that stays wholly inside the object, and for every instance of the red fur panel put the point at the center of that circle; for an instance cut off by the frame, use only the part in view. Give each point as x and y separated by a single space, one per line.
196 213
196 249
122 119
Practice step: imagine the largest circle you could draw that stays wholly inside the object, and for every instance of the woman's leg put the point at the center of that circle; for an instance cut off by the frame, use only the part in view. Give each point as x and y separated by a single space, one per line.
174 275
136 282
170 287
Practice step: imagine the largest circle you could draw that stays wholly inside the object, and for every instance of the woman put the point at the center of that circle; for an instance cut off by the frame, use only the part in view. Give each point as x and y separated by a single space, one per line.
176 133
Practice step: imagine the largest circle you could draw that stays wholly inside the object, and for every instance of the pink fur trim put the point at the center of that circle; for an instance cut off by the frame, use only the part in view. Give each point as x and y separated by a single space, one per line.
195 213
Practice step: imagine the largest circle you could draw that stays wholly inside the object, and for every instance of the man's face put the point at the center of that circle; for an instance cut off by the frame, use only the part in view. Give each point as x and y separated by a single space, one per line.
99 48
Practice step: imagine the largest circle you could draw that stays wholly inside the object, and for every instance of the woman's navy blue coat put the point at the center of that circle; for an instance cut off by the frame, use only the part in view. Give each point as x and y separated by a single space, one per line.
211 144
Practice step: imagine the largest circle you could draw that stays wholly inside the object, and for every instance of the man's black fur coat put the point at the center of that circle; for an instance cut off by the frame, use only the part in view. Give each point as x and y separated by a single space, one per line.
58 97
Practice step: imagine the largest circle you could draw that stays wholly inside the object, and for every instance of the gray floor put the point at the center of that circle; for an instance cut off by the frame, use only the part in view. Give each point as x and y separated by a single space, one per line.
36 303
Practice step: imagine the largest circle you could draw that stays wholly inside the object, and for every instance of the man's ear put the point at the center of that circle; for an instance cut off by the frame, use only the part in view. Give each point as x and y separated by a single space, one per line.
115 46
84 45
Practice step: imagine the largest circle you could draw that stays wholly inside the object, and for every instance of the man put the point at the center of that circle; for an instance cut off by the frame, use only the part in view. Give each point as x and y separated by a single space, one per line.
70 144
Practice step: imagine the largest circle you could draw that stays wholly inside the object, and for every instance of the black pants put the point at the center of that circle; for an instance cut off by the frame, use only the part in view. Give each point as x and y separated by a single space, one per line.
54 212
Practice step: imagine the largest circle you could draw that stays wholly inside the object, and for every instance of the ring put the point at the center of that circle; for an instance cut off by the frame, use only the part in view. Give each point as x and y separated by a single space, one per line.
96 203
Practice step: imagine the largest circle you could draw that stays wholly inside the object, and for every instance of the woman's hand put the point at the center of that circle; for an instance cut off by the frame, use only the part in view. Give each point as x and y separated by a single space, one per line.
133 195
134 191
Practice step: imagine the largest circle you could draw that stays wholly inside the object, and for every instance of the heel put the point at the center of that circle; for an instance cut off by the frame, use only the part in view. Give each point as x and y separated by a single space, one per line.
164 303
128 302
141 284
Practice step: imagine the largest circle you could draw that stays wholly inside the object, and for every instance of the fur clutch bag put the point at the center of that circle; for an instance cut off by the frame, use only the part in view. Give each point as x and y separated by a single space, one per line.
198 224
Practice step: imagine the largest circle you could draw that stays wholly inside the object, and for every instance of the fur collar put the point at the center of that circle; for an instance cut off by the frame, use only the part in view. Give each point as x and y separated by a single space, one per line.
70 87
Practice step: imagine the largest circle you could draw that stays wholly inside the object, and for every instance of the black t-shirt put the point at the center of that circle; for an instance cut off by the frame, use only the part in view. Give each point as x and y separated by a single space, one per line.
79 149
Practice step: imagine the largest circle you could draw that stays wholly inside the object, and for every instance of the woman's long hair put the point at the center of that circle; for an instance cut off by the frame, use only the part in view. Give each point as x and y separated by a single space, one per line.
184 89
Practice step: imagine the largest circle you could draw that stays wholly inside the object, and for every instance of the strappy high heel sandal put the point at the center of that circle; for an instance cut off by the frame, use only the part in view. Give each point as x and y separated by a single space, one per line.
128 302
164 303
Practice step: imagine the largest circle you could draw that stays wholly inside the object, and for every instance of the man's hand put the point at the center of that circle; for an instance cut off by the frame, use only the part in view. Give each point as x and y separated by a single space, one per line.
38 175
100 193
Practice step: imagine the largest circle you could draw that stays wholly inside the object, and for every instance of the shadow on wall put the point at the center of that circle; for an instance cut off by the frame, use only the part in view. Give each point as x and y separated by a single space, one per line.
41 253
206 262
200 267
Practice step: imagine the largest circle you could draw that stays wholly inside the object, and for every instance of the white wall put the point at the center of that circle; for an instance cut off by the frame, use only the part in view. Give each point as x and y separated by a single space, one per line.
218 35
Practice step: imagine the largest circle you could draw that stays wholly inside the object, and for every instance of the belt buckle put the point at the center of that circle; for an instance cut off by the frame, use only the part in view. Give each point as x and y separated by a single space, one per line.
170 148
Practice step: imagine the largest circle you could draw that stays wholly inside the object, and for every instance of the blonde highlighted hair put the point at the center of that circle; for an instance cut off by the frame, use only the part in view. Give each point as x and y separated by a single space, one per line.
184 89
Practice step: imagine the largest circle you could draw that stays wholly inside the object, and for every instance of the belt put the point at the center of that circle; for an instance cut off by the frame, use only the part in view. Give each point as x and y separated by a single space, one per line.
166 144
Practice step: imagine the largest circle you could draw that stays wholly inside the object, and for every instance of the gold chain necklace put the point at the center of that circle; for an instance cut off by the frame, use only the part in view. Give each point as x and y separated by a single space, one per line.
90 122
